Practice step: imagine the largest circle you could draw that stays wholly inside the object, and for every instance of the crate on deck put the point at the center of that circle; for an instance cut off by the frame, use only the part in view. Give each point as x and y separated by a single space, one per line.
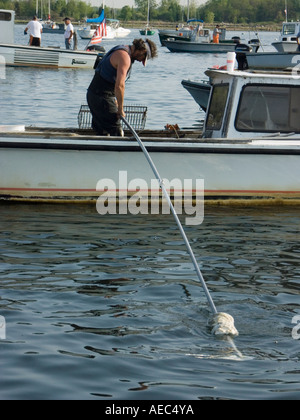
136 115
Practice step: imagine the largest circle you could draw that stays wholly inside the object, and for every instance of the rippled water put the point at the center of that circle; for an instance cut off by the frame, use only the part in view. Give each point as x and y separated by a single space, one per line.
109 307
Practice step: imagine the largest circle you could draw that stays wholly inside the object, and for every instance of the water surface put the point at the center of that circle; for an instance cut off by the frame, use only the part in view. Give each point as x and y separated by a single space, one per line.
110 307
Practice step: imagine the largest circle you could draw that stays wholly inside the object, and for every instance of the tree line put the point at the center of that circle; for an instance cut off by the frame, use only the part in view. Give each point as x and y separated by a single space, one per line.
231 11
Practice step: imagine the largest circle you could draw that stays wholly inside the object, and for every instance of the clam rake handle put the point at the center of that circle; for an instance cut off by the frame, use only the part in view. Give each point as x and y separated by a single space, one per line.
162 186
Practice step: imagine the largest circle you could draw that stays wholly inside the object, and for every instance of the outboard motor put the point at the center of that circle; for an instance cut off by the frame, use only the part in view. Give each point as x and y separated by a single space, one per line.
241 50
75 37
96 48
236 39
101 53
255 44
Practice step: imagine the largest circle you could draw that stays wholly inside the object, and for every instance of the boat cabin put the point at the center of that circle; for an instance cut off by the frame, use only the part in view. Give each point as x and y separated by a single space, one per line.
289 32
7 26
251 104
288 37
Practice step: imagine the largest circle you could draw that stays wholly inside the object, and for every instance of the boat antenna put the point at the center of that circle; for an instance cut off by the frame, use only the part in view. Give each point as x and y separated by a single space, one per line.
286 11
221 324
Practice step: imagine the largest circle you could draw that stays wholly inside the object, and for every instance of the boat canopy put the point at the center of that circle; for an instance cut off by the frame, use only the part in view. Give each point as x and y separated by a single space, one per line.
99 19
195 21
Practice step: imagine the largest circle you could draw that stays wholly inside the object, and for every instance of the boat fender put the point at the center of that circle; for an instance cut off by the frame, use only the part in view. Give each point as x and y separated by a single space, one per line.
222 324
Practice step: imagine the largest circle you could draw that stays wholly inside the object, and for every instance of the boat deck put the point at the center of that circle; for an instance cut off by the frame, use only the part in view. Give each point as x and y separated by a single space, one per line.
174 134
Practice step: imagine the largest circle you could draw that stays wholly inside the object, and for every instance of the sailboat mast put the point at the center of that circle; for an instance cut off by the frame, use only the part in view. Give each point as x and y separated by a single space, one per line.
148 15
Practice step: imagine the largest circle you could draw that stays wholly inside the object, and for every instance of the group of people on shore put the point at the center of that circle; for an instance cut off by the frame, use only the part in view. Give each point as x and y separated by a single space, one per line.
35 30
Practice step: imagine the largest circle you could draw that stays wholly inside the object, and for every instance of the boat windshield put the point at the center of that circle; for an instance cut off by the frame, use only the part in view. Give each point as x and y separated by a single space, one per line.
217 107
289 29
270 108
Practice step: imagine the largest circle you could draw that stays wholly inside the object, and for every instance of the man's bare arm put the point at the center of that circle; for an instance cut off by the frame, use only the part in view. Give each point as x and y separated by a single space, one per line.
121 61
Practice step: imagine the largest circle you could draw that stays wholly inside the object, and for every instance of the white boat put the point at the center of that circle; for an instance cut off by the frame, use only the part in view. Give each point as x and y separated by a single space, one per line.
249 151
113 30
26 56
87 32
288 37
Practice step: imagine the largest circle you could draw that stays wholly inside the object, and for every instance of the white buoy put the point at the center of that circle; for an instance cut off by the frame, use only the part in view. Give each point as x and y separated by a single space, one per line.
222 324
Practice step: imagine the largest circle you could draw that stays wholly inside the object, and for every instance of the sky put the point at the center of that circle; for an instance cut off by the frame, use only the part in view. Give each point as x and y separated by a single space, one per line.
121 3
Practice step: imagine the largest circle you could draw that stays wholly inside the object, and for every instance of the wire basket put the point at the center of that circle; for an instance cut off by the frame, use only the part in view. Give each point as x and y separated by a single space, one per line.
136 115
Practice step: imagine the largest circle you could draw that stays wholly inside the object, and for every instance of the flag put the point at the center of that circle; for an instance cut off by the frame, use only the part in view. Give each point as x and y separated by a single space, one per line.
99 33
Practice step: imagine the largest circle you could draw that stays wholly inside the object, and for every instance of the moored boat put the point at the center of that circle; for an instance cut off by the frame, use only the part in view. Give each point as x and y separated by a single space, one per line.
200 91
179 46
16 55
147 30
249 151
288 38
273 60
183 33
50 27
200 41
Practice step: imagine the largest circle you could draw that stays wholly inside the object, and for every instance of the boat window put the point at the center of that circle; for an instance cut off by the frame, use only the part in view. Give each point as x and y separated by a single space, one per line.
4 16
217 107
269 108
289 29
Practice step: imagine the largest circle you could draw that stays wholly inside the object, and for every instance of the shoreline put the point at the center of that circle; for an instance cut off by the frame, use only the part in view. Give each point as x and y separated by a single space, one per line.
235 27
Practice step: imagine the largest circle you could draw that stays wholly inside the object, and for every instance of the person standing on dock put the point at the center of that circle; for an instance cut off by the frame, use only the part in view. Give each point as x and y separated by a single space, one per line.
35 29
69 33
106 92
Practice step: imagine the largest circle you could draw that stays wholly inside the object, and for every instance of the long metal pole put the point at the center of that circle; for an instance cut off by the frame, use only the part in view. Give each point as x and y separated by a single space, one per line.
188 246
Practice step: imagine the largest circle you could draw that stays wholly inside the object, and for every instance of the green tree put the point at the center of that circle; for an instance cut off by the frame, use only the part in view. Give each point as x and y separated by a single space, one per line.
169 10
126 13
209 17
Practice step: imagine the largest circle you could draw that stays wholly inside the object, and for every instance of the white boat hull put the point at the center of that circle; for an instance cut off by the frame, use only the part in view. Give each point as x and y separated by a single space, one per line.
26 56
286 46
122 32
87 33
58 169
